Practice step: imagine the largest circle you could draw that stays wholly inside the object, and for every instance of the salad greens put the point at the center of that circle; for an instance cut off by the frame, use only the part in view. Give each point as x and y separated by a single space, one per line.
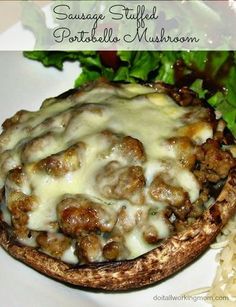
212 74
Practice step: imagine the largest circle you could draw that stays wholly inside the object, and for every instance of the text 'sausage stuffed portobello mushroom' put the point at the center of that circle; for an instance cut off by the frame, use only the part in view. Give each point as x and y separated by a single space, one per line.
115 186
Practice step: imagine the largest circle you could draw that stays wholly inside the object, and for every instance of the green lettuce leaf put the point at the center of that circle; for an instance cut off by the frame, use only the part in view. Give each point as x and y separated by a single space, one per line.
52 58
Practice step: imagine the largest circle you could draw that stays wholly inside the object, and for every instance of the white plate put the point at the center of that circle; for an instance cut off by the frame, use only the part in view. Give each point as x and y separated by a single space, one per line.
24 84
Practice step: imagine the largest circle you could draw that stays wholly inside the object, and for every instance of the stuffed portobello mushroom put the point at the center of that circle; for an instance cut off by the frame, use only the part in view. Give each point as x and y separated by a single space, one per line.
115 186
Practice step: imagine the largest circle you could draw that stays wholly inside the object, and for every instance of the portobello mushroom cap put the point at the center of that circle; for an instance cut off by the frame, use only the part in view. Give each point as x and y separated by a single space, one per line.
169 257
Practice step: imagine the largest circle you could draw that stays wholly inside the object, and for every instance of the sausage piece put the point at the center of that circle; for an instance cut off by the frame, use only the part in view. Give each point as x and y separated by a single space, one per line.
53 243
20 205
215 162
79 215
161 190
117 182
89 249
61 163
133 149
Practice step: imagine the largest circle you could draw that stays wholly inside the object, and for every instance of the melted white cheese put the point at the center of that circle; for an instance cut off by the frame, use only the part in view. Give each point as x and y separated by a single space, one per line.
69 255
132 110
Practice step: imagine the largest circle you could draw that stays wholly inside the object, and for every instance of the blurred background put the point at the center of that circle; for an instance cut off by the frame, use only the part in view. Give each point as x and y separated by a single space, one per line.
13 9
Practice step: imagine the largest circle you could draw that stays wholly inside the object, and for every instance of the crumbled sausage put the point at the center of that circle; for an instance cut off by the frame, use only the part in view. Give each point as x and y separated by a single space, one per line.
78 215
20 205
198 206
111 250
74 220
165 192
181 212
133 149
115 248
18 118
150 234
125 222
185 97
117 182
53 243
215 163
89 248
16 176
128 147
61 163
